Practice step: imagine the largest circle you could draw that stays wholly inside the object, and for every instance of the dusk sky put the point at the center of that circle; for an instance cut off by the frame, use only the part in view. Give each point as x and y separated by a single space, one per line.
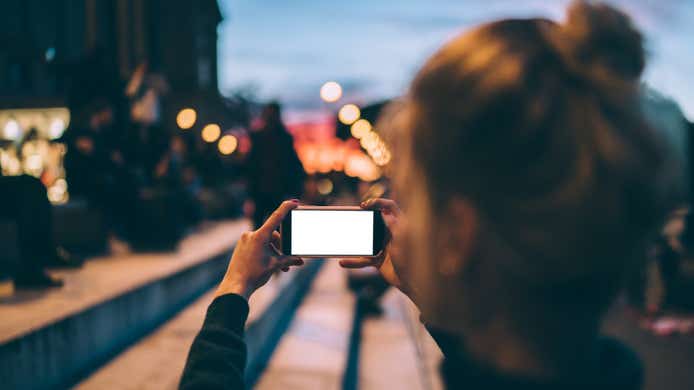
287 49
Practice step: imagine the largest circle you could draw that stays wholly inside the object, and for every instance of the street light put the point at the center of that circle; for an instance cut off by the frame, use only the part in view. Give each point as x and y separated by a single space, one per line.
186 118
12 130
348 114
227 144
211 132
360 128
325 186
331 92
369 140
56 128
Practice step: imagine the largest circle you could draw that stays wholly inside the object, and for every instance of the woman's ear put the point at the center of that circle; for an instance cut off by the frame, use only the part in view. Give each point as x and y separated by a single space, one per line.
458 236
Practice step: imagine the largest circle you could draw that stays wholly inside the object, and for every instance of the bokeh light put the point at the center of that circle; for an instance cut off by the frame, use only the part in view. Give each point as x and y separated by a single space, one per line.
360 165
360 128
57 193
227 144
211 132
325 160
49 55
34 164
186 118
372 173
325 186
381 156
56 128
331 92
348 114
370 140
12 130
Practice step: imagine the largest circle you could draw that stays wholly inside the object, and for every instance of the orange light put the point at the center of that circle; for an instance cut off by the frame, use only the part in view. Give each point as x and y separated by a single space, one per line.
325 160
211 132
359 165
370 140
186 118
227 144
348 114
325 186
331 92
382 157
360 128
372 173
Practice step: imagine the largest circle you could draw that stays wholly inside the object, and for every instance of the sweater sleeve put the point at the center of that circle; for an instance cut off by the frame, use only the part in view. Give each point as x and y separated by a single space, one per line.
217 358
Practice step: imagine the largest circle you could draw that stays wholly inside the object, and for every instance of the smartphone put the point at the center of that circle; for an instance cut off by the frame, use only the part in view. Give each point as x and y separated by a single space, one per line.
332 231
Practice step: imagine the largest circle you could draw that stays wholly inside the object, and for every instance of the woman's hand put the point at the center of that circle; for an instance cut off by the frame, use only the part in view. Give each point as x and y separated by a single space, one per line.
256 256
392 216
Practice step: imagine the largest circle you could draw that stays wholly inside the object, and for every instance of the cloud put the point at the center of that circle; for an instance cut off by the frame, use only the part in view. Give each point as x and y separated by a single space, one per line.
374 47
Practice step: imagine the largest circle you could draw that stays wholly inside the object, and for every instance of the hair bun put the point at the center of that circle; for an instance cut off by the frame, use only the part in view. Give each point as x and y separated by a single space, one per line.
603 38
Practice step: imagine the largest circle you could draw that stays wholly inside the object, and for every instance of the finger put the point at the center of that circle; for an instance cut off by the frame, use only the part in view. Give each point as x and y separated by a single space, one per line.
276 243
291 261
360 262
275 250
274 221
287 261
383 204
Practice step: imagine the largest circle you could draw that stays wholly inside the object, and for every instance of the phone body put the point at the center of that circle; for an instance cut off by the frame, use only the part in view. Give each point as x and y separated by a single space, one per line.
333 231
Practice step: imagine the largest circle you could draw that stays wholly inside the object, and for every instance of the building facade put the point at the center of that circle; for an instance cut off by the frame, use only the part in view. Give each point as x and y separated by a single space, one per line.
66 51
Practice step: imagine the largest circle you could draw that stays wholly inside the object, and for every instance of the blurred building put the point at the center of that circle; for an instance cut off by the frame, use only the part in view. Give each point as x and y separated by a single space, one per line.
63 53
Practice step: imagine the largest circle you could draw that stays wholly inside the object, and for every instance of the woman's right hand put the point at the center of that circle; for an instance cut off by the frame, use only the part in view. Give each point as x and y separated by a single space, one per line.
393 218
256 256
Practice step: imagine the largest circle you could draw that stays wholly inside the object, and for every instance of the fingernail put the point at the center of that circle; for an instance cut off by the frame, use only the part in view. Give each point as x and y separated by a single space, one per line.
294 200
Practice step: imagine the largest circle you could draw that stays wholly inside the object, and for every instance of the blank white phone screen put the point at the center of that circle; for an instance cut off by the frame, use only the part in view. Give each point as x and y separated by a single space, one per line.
332 232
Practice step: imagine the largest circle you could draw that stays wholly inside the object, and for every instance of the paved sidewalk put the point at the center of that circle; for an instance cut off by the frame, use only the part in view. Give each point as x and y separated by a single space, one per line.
396 351
313 352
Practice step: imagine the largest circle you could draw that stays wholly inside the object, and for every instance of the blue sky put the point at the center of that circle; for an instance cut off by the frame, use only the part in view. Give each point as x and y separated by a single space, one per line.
285 49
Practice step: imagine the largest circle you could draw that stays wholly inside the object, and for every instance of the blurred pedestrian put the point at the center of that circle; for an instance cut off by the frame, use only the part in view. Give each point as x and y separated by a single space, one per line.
176 174
96 169
23 202
274 171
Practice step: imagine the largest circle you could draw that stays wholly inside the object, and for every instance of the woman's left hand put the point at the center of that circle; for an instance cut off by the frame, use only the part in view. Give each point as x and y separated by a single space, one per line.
394 219
256 256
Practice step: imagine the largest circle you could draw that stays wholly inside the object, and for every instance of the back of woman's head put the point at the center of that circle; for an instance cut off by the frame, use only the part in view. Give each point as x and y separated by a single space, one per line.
536 124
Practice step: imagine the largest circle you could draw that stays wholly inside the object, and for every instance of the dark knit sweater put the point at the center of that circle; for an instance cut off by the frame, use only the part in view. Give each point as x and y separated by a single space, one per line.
217 359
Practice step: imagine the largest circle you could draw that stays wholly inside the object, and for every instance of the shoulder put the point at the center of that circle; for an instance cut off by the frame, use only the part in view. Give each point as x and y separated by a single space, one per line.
620 363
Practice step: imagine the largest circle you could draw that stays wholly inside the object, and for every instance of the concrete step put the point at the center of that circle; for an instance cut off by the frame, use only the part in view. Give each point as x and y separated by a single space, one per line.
157 361
395 351
53 338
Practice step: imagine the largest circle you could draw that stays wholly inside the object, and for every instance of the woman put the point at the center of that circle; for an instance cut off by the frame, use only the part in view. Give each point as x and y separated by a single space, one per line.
527 176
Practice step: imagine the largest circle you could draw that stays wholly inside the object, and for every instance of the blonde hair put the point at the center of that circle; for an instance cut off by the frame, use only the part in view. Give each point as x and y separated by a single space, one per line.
537 124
